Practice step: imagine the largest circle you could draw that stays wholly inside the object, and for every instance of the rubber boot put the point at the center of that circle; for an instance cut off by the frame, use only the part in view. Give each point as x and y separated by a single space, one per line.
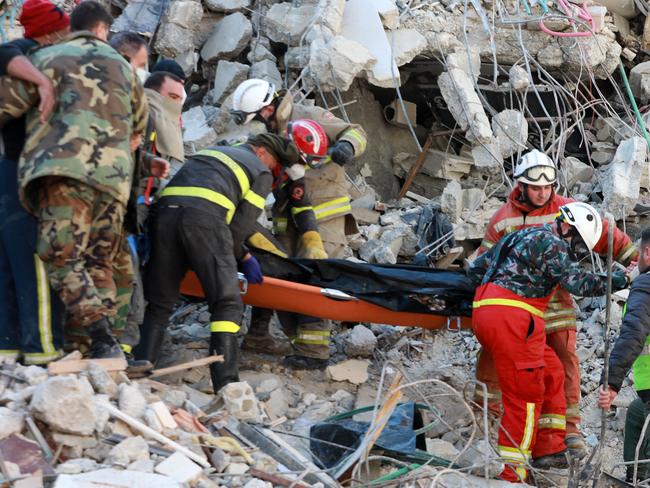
303 362
259 338
151 338
557 460
103 345
224 344
576 445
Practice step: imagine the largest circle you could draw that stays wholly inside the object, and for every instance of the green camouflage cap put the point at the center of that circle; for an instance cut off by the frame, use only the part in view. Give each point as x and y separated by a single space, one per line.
283 149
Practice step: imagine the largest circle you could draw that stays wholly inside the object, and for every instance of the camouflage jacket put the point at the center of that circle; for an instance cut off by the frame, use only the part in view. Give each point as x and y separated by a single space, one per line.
532 262
87 137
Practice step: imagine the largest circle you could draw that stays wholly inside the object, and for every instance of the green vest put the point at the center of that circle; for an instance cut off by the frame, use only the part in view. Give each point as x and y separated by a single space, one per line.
641 366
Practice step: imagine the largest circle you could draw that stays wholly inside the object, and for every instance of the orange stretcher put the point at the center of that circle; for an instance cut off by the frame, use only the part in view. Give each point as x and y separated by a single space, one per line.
326 303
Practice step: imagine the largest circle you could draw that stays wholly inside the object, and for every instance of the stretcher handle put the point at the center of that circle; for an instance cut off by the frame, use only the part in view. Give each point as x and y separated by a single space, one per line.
338 295
457 328
243 284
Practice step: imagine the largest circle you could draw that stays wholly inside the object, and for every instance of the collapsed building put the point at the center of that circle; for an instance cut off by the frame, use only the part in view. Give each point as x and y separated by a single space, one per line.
450 93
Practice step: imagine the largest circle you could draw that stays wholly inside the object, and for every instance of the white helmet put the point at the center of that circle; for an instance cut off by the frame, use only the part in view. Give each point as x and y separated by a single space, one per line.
249 98
586 221
536 168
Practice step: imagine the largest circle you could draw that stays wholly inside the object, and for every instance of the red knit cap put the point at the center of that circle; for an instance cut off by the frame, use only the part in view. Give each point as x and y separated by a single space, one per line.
42 17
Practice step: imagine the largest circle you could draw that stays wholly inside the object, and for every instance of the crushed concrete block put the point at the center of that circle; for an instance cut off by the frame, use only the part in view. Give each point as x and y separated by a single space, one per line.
330 18
440 448
451 201
640 81
66 404
259 52
219 459
338 61
129 450
360 342
353 370
144 466
113 478
228 38
574 171
278 403
406 44
241 402
389 13
365 216
101 381
196 129
33 375
76 442
464 104
131 401
76 466
237 468
266 69
297 57
286 24
622 179
467 61
229 75
518 78
487 157
624 8
173 40
361 23
511 130
180 468
186 13
227 6
10 422
385 255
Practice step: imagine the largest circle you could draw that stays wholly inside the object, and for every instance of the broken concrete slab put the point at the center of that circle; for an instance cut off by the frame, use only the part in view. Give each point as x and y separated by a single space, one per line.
186 13
518 78
141 16
338 61
228 38
353 370
622 178
227 6
241 402
229 75
487 157
464 104
451 201
406 44
360 342
511 130
101 381
128 451
131 401
640 81
259 52
330 18
66 404
173 40
389 13
286 23
467 61
113 478
196 130
266 69
180 468
11 422
361 23
574 171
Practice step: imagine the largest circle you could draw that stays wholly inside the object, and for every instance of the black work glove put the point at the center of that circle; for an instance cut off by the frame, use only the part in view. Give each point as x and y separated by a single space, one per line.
619 280
341 153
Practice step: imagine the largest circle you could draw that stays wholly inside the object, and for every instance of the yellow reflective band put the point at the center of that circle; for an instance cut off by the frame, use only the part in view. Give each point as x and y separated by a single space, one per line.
41 357
254 199
237 170
355 134
552 421
152 136
573 411
506 302
224 326
324 333
490 396
314 337
514 454
487 244
44 308
297 210
313 342
280 225
626 253
332 207
126 348
559 313
529 428
9 353
205 193
553 325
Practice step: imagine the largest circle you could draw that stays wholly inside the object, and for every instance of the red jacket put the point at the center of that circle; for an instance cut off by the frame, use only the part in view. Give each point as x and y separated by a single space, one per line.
516 214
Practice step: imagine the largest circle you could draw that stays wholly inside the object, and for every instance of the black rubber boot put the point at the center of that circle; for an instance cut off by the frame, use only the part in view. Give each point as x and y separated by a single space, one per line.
136 367
303 362
224 344
259 338
151 339
557 460
104 345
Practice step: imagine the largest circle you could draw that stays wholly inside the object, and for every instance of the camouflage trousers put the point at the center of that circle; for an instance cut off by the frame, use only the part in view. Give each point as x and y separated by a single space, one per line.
79 231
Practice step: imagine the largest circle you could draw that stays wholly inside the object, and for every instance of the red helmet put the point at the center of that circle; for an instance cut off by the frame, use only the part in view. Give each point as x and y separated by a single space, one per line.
310 139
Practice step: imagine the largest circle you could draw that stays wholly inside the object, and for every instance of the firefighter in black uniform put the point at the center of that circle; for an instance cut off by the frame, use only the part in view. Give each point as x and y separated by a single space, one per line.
201 222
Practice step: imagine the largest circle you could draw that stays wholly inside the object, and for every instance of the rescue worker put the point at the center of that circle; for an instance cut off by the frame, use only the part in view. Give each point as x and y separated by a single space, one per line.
632 349
201 222
75 169
31 314
325 187
533 202
516 279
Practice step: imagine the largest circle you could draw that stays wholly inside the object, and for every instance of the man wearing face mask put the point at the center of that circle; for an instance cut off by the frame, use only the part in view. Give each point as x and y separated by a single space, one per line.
171 66
533 202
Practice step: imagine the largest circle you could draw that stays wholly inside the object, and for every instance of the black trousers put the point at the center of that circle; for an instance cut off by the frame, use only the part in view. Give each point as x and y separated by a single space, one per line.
185 238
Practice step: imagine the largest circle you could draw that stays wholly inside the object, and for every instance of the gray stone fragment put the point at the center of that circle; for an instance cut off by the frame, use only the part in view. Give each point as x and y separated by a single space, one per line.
220 460
132 401
622 179
511 130
129 450
186 13
336 62
76 466
259 52
173 40
406 44
226 5
278 403
574 171
241 402
229 75
228 39
360 342
10 422
102 381
286 24
640 81
266 70
519 79
66 404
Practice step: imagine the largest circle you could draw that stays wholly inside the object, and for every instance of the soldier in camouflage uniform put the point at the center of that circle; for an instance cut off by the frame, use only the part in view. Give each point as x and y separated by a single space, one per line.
516 279
326 188
75 172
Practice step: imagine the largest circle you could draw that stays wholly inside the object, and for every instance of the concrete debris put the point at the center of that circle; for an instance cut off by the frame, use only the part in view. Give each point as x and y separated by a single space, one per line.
640 81
361 342
227 6
518 78
229 75
11 422
228 39
112 478
406 44
241 402
131 400
511 130
338 61
352 370
197 132
266 69
180 468
286 23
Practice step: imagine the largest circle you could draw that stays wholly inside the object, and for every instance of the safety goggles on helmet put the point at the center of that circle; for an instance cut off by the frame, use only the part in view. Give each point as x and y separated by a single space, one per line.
240 117
542 175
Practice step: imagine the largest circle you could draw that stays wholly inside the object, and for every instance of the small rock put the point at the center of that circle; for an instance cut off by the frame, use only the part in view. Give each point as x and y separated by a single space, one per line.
76 466
241 402
174 398
143 466
257 483
278 403
220 460
360 342
228 39
102 381
132 401
10 422
129 450
34 375
237 468
440 448
180 467
352 370
519 79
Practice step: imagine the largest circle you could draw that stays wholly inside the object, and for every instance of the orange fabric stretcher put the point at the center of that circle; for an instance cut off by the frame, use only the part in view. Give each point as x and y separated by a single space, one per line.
327 303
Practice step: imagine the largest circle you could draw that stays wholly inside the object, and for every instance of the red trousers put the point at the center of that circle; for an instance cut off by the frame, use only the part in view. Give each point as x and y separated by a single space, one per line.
510 328
563 342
